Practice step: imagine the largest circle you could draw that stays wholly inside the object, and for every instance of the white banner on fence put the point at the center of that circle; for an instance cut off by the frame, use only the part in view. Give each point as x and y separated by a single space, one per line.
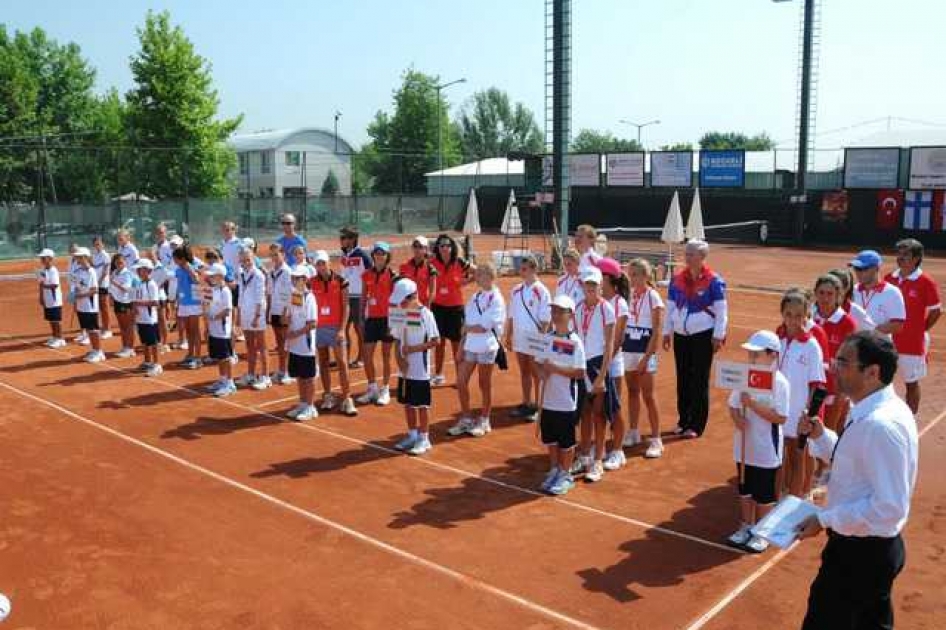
872 168
927 168
625 169
671 169
584 169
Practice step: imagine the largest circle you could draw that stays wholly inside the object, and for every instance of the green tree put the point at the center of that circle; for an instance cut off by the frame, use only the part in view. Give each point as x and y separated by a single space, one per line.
404 144
735 140
330 186
593 141
490 126
172 116
677 146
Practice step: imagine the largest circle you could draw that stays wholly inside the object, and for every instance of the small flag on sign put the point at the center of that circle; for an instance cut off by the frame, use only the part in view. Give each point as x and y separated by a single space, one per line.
917 210
761 379
563 347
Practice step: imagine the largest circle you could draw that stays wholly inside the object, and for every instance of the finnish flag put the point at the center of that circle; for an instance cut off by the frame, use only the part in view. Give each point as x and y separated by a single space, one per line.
917 210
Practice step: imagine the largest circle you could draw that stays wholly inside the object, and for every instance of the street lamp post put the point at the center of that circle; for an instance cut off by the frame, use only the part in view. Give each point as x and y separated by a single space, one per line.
440 87
338 115
639 126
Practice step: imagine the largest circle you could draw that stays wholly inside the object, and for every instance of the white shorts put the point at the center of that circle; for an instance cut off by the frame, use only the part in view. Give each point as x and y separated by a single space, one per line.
633 359
520 343
480 358
912 368
618 366
189 310
246 320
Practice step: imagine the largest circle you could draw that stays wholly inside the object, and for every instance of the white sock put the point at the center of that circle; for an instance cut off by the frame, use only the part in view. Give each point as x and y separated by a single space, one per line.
413 434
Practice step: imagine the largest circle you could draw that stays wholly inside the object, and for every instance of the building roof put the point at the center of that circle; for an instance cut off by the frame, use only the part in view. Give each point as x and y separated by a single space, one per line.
489 166
274 139
903 138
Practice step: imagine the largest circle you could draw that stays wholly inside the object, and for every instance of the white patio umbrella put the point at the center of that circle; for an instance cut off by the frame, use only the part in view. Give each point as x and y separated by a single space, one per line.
695 220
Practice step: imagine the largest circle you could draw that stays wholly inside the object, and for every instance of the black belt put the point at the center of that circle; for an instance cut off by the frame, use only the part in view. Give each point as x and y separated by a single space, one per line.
833 535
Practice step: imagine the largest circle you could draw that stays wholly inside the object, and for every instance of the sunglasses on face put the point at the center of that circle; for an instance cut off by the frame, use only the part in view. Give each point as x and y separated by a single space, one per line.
288 223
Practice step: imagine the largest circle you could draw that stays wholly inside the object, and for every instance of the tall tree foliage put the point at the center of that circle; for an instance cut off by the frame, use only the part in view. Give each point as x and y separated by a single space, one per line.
593 141
491 126
172 110
735 140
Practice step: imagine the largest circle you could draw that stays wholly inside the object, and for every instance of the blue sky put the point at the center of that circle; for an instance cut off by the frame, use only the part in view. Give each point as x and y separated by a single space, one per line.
693 64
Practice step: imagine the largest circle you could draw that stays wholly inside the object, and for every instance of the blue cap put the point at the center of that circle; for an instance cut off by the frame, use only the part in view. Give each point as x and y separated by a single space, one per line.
867 259
381 246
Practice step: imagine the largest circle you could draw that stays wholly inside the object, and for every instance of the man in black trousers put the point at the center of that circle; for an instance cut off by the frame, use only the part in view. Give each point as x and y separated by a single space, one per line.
873 474
697 316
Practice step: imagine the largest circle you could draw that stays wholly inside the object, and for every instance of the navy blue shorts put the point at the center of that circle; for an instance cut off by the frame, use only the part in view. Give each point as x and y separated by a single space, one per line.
148 334
558 428
220 349
121 307
52 313
88 321
612 401
376 329
759 485
235 292
413 393
276 321
302 367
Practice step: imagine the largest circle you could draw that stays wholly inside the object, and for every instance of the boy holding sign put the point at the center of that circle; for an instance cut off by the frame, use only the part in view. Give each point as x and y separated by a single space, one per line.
758 410
560 366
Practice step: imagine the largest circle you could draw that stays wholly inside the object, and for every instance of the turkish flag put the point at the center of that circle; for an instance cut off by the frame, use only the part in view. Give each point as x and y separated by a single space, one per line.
889 206
939 210
761 379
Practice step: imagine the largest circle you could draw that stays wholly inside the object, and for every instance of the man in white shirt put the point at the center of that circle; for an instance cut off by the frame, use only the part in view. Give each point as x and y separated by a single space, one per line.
873 474
882 301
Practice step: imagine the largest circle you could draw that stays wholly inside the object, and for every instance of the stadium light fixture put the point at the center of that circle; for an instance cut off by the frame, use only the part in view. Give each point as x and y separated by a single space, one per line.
639 126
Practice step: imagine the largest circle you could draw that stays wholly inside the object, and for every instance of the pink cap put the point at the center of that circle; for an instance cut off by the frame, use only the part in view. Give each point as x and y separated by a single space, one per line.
610 267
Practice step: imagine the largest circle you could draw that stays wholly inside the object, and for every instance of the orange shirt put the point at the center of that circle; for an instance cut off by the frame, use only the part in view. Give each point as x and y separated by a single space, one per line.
329 298
376 291
450 279
421 273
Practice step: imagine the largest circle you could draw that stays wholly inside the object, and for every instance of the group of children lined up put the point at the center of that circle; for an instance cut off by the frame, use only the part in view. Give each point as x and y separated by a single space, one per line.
802 352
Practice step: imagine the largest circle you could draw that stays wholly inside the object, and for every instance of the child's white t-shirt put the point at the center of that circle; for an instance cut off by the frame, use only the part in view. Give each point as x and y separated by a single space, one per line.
570 286
52 297
84 280
802 363
619 304
590 322
102 263
252 286
415 332
279 289
764 443
221 299
302 309
122 293
561 392
146 292
529 305
130 253
486 309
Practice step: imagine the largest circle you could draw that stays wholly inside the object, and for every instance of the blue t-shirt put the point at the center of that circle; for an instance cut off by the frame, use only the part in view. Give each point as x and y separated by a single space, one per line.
185 286
288 243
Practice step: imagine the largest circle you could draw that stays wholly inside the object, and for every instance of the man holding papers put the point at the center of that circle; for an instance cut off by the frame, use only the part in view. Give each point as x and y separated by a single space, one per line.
873 474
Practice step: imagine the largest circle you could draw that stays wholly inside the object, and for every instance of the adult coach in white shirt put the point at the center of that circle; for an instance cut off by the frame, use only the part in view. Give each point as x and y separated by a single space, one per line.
873 474
882 301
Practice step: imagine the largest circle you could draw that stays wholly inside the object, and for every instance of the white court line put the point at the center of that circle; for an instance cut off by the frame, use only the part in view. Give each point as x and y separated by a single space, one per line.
312 516
746 583
424 461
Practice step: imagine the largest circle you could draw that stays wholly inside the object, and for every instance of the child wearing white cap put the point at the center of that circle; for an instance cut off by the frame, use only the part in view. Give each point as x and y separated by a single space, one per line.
413 340
762 425
147 299
560 366
251 285
219 313
301 321
85 287
50 297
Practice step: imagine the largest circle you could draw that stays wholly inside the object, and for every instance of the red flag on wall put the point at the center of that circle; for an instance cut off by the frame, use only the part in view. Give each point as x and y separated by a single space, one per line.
939 210
889 206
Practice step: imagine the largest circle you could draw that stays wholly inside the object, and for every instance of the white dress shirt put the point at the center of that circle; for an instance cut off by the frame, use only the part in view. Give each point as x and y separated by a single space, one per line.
873 473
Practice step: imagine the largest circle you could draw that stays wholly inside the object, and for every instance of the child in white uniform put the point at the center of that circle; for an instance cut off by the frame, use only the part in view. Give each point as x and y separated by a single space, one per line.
528 316
302 317
50 297
219 313
85 287
615 290
147 299
102 263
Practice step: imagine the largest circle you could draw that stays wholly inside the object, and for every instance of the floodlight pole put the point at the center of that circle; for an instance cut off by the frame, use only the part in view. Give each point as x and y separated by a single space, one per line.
639 127
801 180
440 87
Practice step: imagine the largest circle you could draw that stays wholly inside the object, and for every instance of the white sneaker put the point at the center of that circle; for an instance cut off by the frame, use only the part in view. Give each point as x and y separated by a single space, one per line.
481 428
105 334
82 338
741 536
421 446
655 449
226 389
96 356
596 473
125 353
246 380
328 402
348 407
234 359
295 411
58 343
154 370
757 545
285 379
369 396
49 342
463 425
406 443
309 412
261 383
615 460
213 387
632 438
384 397
437 380
183 345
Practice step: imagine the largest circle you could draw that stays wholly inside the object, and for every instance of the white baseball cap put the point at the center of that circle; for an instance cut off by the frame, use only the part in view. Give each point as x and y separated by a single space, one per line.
591 274
421 240
320 255
564 302
763 340
215 270
299 271
403 288
248 243
82 251
144 263
46 253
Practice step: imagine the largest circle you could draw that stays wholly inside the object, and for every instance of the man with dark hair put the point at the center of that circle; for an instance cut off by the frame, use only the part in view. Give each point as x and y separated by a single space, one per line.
921 299
873 474
354 262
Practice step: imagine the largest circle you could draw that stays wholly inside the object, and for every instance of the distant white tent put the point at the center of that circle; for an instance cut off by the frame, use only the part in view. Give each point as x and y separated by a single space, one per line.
673 226
133 196
512 224
471 224
695 221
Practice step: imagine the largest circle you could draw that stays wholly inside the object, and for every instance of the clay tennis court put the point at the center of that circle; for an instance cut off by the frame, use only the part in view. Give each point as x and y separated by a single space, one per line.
142 503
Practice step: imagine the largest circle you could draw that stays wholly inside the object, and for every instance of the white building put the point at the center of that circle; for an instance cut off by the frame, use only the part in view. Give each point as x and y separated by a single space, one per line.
290 162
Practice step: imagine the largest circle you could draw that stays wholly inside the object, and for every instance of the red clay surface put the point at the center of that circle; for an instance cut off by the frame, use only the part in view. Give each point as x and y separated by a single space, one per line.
259 523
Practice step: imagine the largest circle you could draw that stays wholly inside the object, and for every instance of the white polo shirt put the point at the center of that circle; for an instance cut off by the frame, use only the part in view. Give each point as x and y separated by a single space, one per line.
416 332
85 280
590 322
529 307
130 253
221 299
230 250
164 252
873 467
561 392
279 289
883 303
802 363
146 292
102 263
252 286
52 296
486 309
620 306
120 288
570 286
861 318
764 442
588 259
302 309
